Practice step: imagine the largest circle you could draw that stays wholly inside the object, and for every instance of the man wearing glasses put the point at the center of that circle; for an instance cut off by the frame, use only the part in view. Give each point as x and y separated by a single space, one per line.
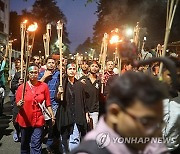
134 111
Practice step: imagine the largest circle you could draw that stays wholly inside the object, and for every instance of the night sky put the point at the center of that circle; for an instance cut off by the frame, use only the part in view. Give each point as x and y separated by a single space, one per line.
80 18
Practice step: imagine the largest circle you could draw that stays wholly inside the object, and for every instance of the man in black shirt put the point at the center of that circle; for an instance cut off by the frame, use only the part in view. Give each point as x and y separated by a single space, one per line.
92 89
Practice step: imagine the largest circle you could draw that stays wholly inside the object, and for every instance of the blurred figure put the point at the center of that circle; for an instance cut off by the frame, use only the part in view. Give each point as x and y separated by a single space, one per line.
171 129
145 54
2 83
155 69
16 66
134 112
127 66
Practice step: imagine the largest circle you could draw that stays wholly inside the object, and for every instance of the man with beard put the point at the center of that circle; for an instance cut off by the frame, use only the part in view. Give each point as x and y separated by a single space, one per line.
134 118
107 79
51 77
84 70
108 76
92 86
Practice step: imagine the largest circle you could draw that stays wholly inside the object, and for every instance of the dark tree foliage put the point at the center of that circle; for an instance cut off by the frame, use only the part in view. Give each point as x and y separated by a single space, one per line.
43 12
14 29
150 13
85 46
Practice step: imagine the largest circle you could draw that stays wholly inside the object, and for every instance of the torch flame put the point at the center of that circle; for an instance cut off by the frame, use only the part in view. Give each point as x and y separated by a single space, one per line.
114 39
25 21
33 27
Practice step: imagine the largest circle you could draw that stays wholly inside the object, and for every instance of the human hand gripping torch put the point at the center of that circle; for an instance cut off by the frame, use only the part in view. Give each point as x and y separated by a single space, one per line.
23 31
104 55
30 35
60 33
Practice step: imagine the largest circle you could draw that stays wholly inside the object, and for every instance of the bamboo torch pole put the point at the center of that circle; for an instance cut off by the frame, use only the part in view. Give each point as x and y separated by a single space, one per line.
171 9
31 29
45 46
101 52
10 61
48 35
60 35
23 31
104 55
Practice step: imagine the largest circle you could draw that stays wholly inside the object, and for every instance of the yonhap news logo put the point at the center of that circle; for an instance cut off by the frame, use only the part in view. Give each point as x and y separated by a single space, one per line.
103 140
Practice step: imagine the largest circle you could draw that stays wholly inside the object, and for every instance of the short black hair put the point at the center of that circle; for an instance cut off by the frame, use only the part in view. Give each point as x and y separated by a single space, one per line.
133 86
94 62
49 57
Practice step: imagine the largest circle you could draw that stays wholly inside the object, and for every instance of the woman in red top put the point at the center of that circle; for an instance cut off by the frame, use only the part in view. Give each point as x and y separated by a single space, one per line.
30 116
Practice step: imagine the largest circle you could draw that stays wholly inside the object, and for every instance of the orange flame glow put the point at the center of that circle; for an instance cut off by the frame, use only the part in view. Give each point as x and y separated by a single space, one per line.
33 27
114 39
25 21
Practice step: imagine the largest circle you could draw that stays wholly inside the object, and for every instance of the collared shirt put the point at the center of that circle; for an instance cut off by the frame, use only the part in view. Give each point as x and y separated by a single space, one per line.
80 74
30 115
121 148
107 75
52 82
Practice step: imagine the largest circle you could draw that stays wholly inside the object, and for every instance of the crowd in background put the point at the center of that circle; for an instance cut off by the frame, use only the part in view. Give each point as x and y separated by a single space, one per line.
79 105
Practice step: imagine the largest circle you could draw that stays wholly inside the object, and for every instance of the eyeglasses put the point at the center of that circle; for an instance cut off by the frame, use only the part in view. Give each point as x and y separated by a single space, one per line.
149 124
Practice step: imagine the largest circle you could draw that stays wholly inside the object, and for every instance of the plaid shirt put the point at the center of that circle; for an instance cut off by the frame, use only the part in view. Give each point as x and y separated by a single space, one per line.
52 82
107 75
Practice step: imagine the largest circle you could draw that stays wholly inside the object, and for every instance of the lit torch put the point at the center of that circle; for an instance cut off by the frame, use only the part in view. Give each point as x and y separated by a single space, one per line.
60 35
115 40
30 34
23 32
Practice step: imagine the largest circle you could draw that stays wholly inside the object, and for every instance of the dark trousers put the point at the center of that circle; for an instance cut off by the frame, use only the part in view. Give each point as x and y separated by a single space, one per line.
15 113
53 133
31 140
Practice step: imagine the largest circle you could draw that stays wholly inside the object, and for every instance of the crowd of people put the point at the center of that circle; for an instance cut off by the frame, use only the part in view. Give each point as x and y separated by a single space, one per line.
83 118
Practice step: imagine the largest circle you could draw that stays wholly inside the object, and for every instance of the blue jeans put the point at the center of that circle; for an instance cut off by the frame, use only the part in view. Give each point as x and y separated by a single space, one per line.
54 108
31 140
69 141
74 139
94 116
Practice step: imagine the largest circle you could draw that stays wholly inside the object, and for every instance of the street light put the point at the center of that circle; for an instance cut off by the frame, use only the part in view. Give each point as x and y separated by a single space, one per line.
129 32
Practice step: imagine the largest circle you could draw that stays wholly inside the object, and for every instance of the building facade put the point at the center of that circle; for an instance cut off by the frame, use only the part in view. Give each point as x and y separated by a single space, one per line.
4 21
